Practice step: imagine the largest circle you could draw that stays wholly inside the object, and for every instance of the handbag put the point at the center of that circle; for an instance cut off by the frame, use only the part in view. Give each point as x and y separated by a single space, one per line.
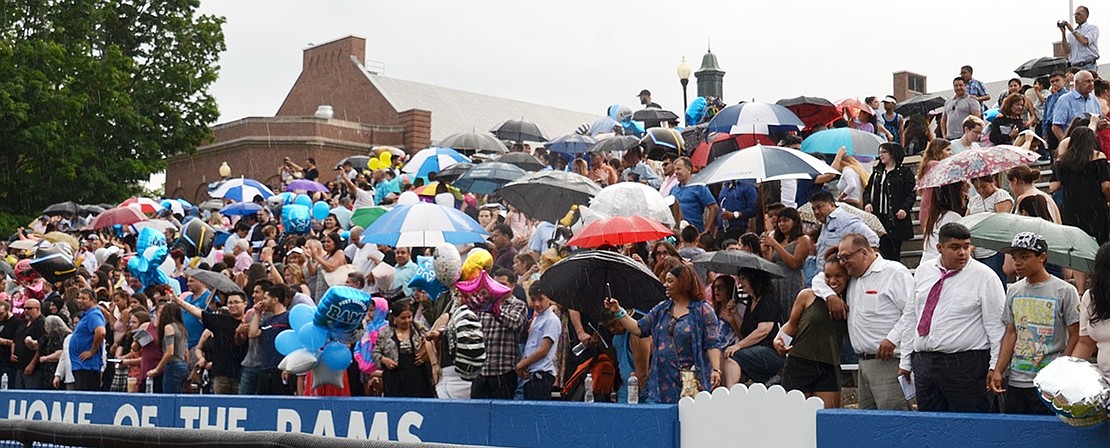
690 383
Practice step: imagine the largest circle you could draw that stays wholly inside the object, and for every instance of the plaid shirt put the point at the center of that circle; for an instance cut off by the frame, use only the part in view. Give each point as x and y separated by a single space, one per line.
502 336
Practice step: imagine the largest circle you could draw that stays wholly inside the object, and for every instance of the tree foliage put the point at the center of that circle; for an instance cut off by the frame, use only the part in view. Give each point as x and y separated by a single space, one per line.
95 93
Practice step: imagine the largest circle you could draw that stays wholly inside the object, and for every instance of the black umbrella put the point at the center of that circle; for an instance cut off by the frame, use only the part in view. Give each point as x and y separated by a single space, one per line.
519 131
731 261
454 171
659 142
583 280
522 160
485 178
920 104
692 136
62 208
616 144
1041 67
91 209
469 143
215 280
549 195
653 114
359 163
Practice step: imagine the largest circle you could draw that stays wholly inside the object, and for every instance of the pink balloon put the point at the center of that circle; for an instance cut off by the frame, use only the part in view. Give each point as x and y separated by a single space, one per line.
483 292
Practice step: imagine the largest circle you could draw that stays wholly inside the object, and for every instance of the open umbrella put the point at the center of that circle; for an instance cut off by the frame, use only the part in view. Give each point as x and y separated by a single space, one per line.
485 178
365 216
145 205
173 205
62 208
755 118
658 142
854 106
454 171
618 231
920 105
654 115
604 125
548 195
718 144
522 160
357 162
160 225
633 199
91 209
812 111
519 131
1041 67
306 185
829 141
240 209
571 144
692 136
731 261
473 142
870 220
583 280
976 162
424 225
62 238
763 163
616 144
215 280
242 190
119 215
1067 246
433 160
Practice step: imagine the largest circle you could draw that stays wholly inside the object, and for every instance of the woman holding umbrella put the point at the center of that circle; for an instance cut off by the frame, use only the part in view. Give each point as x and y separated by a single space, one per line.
890 195
684 332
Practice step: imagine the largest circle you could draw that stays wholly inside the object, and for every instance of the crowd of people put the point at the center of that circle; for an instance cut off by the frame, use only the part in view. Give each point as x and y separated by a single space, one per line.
966 330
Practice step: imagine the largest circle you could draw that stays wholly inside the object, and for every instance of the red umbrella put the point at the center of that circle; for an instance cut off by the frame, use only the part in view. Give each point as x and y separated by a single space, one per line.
618 231
853 106
718 144
126 215
145 205
813 111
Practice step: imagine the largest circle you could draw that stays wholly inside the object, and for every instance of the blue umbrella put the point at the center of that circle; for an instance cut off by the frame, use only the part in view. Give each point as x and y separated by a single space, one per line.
571 144
755 118
829 141
242 190
240 208
424 225
433 160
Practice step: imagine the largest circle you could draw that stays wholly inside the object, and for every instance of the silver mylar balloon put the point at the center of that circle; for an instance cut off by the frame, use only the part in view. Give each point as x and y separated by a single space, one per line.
1075 390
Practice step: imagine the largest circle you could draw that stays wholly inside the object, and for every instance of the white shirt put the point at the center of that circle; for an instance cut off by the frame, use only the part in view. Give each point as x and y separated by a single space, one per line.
850 185
788 192
979 204
958 146
364 264
929 250
968 315
1079 53
364 198
876 303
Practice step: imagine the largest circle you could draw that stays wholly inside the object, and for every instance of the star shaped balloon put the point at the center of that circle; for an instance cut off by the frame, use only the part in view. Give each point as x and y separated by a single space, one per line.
483 292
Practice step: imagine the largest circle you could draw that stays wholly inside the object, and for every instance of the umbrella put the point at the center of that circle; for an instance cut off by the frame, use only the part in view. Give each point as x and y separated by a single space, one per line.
306 185
424 225
242 190
583 280
605 125
571 144
175 207
62 238
91 209
616 144
454 171
731 261
976 162
485 178
755 118
378 150
119 215
472 142
829 141
654 114
160 225
618 231
1041 67
519 131
718 144
1067 246
548 195
920 105
145 205
524 161
22 245
240 209
433 160
853 106
692 136
357 162
633 199
215 280
658 142
211 204
870 220
62 208
763 163
365 216
812 111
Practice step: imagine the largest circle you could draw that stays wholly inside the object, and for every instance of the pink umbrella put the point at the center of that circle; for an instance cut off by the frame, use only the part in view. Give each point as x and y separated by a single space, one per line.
120 215
976 162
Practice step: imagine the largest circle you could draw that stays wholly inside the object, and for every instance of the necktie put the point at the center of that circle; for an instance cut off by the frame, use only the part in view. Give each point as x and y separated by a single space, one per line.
926 321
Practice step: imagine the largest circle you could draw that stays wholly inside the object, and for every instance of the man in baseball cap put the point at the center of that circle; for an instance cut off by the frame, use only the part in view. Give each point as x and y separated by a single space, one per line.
645 99
1042 322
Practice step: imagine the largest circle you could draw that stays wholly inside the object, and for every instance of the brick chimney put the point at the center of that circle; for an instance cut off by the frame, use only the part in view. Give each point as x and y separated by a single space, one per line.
336 51
907 84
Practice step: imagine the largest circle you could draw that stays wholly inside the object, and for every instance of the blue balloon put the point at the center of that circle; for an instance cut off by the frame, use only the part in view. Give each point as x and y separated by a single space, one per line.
296 219
303 199
312 337
320 210
336 356
287 198
425 280
287 342
300 314
345 234
150 252
696 111
342 309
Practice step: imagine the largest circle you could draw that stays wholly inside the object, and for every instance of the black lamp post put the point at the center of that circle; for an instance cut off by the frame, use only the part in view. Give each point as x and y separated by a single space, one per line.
684 71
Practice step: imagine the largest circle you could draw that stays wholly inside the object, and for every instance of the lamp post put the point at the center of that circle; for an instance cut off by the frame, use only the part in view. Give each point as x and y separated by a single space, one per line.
684 78
225 170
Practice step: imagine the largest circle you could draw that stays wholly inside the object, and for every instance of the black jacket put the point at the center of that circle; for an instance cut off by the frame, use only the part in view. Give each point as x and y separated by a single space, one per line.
899 186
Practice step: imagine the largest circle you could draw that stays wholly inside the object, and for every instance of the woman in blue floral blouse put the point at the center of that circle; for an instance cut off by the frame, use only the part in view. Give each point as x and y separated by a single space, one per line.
684 335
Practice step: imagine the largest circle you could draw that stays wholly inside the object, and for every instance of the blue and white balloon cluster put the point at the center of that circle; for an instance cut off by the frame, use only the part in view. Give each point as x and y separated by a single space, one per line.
318 338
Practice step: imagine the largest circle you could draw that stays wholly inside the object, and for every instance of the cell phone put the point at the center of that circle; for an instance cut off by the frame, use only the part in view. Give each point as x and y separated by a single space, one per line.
608 290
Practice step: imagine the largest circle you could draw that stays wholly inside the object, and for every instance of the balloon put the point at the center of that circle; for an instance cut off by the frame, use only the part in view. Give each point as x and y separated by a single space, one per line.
342 309
312 337
374 164
345 234
151 252
54 262
336 356
287 342
477 259
447 264
303 199
695 112
300 314
425 280
1075 390
322 375
24 273
408 198
320 210
296 219
197 237
483 293
387 158
298 361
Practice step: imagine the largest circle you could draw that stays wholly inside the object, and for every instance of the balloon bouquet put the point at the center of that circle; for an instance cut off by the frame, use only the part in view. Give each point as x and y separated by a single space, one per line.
318 339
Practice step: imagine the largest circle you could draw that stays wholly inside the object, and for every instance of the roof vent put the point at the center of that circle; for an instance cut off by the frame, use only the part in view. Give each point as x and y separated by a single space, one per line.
325 112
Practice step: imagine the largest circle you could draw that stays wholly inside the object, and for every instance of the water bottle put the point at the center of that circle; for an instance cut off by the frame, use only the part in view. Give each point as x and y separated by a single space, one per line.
589 388
633 389
4 382
149 385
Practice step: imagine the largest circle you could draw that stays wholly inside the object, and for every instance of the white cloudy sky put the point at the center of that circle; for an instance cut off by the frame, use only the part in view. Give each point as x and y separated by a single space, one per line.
585 55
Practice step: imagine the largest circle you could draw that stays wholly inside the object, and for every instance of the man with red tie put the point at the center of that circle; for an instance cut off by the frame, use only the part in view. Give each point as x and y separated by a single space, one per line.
954 327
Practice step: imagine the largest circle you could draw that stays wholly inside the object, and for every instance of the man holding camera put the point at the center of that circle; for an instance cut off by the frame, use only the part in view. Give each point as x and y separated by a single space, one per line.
1080 41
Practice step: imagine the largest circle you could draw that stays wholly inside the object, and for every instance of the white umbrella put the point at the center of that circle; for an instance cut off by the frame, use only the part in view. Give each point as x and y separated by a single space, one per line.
242 190
634 199
762 163
158 224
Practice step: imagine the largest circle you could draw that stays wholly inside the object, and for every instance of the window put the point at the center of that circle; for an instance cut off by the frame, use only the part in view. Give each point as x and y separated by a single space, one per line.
915 83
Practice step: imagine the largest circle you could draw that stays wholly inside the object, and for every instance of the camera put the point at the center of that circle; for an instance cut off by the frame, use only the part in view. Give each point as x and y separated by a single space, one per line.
1062 24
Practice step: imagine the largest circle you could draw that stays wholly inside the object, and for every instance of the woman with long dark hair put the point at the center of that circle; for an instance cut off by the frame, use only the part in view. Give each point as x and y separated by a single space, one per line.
948 205
1094 314
788 247
175 349
937 150
402 354
1085 178
754 356
890 196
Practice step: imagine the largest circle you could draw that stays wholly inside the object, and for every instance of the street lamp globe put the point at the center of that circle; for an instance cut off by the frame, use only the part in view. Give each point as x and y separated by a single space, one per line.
684 71
225 170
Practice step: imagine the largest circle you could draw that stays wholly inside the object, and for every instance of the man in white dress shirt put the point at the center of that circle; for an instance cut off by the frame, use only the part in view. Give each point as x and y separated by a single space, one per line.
954 327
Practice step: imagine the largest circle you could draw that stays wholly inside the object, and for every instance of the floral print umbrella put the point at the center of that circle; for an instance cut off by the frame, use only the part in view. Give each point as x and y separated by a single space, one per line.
976 162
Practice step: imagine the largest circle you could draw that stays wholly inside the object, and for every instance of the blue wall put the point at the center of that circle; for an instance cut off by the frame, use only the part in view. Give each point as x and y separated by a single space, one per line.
853 428
478 422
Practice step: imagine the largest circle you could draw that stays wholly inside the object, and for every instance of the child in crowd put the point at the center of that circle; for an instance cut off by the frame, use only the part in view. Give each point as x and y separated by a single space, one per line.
537 366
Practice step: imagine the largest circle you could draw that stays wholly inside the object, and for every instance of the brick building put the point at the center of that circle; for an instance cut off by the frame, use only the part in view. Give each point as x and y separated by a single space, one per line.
368 110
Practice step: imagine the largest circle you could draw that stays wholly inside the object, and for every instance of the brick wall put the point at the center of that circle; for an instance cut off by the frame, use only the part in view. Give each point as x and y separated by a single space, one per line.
330 76
418 129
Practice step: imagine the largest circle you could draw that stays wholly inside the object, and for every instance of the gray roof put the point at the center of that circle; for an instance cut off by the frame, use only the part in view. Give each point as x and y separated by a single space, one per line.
455 111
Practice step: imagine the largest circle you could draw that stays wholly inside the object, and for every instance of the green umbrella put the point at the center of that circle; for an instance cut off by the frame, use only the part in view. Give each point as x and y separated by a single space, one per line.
1067 246
365 216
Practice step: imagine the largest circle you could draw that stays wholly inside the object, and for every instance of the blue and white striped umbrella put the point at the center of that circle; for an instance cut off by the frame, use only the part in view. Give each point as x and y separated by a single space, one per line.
240 209
571 144
433 160
755 118
241 190
424 225
762 163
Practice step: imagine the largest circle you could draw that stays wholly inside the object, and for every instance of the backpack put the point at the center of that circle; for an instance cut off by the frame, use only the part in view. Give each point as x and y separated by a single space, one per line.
604 372
465 340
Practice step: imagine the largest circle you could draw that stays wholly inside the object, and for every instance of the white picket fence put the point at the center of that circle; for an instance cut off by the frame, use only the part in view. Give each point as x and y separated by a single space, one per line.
749 416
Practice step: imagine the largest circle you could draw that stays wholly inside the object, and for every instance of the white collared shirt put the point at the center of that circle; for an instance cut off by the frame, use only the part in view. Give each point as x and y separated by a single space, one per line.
876 303
968 315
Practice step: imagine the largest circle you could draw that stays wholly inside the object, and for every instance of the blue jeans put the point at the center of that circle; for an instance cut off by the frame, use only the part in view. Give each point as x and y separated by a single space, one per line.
174 375
247 384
